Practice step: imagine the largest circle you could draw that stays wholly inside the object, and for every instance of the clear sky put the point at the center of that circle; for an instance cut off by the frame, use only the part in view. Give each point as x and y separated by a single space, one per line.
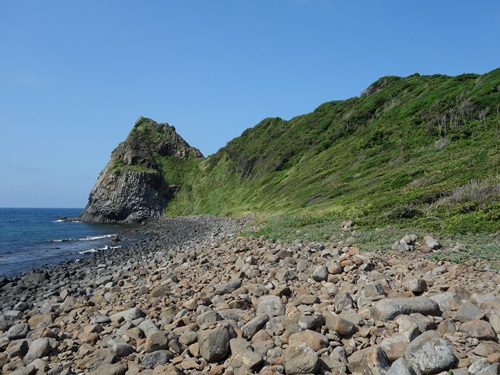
75 75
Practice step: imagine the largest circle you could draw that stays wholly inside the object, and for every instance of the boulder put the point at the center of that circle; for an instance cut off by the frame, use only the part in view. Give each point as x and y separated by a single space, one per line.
122 349
18 331
401 367
270 305
313 339
483 367
300 358
246 361
228 287
39 348
338 324
156 341
416 285
157 358
148 327
214 343
128 315
395 346
343 300
313 322
389 308
407 327
430 354
320 273
446 300
494 320
468 311
207 317
251 327
431 243
369 361
119 368
38 319
479 329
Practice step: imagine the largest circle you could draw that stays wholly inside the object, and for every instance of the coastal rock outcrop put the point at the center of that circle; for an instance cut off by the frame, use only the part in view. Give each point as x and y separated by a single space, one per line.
134 186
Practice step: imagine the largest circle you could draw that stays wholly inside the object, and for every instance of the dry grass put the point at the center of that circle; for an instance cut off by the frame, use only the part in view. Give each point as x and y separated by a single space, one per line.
474 192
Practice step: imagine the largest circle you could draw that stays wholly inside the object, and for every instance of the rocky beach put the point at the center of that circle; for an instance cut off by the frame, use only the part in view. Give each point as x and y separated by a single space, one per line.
192 296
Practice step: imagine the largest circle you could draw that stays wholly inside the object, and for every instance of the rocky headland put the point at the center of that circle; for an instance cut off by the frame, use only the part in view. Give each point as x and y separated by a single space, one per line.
133 187
194 297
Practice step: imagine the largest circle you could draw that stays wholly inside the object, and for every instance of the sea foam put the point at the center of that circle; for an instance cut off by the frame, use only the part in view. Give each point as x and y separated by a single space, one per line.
94 238
93 250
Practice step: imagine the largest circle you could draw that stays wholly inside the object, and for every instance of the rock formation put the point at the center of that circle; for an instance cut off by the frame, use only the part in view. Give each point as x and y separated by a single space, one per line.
133 188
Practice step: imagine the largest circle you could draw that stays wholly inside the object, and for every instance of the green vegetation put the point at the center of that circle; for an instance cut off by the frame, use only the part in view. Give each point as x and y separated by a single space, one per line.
150 133
476 249
460 248
417 152
154 148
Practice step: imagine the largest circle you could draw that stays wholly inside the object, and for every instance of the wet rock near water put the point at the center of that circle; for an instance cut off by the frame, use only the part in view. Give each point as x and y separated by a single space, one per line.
193 297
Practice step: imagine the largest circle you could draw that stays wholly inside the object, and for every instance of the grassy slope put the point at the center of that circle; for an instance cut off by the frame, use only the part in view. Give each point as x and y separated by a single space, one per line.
414 151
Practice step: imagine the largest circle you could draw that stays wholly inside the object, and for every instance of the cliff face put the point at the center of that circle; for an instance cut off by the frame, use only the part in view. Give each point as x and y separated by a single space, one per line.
133 187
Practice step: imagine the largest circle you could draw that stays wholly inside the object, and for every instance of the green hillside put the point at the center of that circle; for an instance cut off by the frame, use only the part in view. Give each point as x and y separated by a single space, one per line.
414 151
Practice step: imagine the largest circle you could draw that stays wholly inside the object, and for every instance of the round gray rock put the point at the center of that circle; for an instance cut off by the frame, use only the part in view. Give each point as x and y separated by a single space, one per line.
320 273
430 354
270 305
38 348
214 343
158 358
478 329
18 331
122 349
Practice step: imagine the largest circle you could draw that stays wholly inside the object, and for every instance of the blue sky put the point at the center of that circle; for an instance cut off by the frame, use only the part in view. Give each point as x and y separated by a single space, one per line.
75 75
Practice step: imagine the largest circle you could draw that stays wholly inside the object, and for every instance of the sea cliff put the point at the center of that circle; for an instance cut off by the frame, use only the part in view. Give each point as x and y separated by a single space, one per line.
134 186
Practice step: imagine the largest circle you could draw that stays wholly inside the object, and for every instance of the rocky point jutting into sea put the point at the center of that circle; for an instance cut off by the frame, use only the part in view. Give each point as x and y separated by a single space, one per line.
193 297
132 187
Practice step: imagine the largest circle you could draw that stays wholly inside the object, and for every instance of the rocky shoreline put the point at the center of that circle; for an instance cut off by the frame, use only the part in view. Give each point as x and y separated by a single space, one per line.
192 297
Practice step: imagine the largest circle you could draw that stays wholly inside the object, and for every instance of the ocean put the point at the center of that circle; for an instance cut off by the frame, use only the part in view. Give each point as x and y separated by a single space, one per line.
33 238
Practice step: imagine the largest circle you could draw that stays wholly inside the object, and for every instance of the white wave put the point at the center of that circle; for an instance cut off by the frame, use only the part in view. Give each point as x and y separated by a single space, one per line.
94 238
93 250
89 251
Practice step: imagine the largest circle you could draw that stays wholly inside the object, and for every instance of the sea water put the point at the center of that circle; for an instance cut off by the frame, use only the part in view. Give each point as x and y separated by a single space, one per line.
33 238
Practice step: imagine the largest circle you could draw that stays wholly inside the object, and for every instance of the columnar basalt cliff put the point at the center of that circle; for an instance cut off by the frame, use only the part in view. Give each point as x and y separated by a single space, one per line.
134 186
